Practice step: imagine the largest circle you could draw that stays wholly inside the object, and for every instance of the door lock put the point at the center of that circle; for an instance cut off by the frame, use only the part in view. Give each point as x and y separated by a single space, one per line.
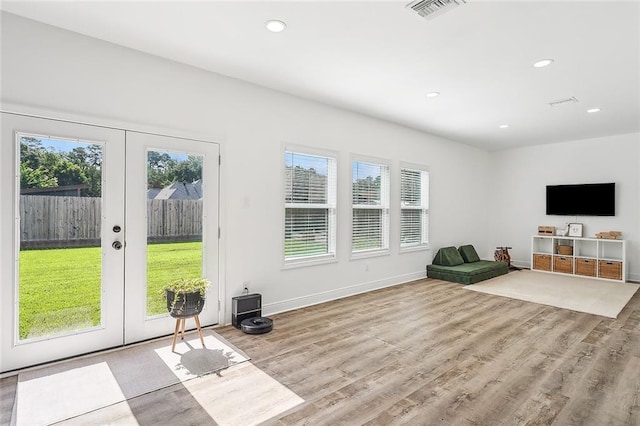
116 245
117 229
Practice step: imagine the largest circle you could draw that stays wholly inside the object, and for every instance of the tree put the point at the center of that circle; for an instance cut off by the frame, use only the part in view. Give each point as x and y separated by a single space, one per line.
31 152
90 161
46 168
158 166
187 171
367 190
68 173
162 170
38 178
33 172
305 185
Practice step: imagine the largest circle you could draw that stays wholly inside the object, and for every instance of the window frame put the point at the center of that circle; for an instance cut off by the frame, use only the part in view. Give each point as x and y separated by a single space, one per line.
424 209
331 255
385 207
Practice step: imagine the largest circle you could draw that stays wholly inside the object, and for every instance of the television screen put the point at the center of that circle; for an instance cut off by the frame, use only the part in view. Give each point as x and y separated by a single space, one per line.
592 199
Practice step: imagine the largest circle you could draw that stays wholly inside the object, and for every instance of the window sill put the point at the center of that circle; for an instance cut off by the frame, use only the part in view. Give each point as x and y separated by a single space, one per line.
411 249
368 254
303 263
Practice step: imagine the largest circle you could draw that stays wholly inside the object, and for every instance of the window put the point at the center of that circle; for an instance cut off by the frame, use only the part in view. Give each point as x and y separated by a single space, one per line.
414 207
370 207
310 207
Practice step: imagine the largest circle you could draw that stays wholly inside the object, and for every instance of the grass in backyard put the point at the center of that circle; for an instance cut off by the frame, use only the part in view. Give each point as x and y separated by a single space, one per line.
60 288
167 262
305 247
293 247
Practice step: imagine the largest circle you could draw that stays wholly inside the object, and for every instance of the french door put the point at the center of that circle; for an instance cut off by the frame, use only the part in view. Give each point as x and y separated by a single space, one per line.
94 221
172 227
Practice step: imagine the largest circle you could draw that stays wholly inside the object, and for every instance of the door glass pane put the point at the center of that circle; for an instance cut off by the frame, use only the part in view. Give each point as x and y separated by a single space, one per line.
60 267
174 222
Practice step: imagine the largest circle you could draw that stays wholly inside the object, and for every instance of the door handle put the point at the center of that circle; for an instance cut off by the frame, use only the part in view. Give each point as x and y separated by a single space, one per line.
116 245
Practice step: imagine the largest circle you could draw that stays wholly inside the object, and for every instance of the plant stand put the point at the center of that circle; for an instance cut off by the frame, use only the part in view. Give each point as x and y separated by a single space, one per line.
180 326
183 305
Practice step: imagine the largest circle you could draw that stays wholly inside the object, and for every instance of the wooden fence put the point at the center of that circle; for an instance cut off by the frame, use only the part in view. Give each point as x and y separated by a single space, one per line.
174 220
50 221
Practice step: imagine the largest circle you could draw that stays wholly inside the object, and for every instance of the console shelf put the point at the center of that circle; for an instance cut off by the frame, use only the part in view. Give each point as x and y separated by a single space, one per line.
596 258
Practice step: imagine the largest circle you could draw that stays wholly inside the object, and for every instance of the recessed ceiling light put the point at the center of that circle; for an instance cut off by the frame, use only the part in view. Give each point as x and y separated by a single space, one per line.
275 26
593 110
503 126
542 63
433 94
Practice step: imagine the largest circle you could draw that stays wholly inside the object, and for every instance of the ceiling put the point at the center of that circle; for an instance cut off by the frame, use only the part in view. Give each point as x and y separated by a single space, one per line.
380 58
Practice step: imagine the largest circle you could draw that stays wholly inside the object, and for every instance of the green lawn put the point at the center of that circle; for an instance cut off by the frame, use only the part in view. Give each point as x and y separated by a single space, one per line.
303 247
60 288
166 262
366 243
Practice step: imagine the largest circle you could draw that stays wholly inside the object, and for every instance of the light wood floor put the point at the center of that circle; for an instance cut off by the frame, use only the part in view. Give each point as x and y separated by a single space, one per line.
430 353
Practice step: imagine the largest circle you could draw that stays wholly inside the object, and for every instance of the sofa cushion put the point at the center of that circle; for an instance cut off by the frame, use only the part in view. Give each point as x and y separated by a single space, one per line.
468 253
468 273
448 256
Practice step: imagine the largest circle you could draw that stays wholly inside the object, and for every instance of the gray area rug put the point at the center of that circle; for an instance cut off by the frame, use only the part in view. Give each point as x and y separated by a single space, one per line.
604 298
68 389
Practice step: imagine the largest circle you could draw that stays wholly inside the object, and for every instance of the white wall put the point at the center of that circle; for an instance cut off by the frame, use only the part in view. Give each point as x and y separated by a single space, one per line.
44 68
519 178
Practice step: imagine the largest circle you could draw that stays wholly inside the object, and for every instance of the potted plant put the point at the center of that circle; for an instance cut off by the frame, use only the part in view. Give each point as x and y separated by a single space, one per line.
185 296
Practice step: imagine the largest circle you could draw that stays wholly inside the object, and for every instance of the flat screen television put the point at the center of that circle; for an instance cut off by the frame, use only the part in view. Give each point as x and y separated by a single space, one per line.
591 199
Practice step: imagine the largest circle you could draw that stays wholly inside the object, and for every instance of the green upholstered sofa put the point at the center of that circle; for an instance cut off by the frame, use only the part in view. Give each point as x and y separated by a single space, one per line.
463 265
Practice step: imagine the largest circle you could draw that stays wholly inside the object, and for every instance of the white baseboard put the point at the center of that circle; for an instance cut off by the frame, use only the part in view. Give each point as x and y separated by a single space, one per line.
521 264
327 296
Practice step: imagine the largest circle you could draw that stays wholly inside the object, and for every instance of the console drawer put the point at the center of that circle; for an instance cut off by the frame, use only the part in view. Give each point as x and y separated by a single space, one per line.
563 264
542 262
610 269
586 267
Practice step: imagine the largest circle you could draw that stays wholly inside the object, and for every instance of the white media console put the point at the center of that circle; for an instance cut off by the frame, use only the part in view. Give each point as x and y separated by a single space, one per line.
597 258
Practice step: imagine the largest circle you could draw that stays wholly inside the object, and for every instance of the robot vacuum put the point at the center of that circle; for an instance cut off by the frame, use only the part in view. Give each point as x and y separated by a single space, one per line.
257 325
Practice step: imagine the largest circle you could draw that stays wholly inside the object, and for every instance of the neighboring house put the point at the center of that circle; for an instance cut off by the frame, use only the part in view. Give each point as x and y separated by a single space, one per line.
177 191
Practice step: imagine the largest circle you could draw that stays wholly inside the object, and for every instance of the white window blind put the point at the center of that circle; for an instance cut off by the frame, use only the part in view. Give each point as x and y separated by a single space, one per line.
370 206
414 207
310 207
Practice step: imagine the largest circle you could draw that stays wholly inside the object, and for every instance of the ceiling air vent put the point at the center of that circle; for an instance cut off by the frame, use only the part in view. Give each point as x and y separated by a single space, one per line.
571 100
429 9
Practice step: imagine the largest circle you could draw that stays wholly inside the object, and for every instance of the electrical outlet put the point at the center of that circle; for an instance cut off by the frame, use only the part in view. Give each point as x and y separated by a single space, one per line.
245 286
